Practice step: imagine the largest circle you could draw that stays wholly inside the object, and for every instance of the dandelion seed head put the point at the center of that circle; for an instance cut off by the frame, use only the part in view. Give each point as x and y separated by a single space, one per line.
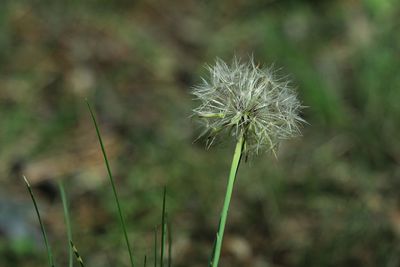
244 99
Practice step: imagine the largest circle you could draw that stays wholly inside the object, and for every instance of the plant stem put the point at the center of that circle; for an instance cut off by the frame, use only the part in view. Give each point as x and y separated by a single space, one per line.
46 241
155 246
121 217
163 230
169 231
78 257
228 195
67 222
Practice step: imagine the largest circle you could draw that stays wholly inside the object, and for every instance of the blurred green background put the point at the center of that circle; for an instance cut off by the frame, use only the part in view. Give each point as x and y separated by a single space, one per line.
332 197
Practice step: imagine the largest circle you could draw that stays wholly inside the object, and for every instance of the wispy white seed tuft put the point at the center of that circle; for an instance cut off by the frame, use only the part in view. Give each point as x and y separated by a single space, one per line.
246 100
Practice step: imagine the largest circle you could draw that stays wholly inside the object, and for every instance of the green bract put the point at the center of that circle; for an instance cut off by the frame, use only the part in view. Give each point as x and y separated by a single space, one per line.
244 99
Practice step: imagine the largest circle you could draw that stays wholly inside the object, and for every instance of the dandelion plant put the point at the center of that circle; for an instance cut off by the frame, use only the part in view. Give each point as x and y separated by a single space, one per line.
250 104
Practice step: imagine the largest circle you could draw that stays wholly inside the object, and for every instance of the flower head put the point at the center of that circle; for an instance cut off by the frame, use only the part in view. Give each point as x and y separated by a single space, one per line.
247 101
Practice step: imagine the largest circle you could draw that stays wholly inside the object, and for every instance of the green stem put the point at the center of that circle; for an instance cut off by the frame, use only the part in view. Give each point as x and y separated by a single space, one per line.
155 247
163 230
169 231
78 257
121 217
46 241
224 214
67 221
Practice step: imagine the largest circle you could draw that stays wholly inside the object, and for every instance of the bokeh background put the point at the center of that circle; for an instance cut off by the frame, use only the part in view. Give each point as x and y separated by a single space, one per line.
330 199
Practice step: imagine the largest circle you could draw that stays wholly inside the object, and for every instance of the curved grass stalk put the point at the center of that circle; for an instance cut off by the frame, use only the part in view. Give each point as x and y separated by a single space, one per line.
163 230
169 231
78 257
46 241
67 222
121 217
155 246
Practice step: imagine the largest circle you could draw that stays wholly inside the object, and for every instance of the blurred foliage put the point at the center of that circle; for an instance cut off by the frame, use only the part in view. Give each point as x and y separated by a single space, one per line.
332 197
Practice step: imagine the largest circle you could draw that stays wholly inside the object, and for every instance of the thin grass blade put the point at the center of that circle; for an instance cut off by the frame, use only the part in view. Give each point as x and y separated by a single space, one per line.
121 217
48 248
67 222
78 257
163 229
169 231
155 247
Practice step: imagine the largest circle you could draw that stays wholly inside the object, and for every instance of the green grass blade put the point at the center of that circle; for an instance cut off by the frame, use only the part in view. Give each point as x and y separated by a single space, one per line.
121 217
145 261
78 257
163 229
48 248
67 222
169 230
155 247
